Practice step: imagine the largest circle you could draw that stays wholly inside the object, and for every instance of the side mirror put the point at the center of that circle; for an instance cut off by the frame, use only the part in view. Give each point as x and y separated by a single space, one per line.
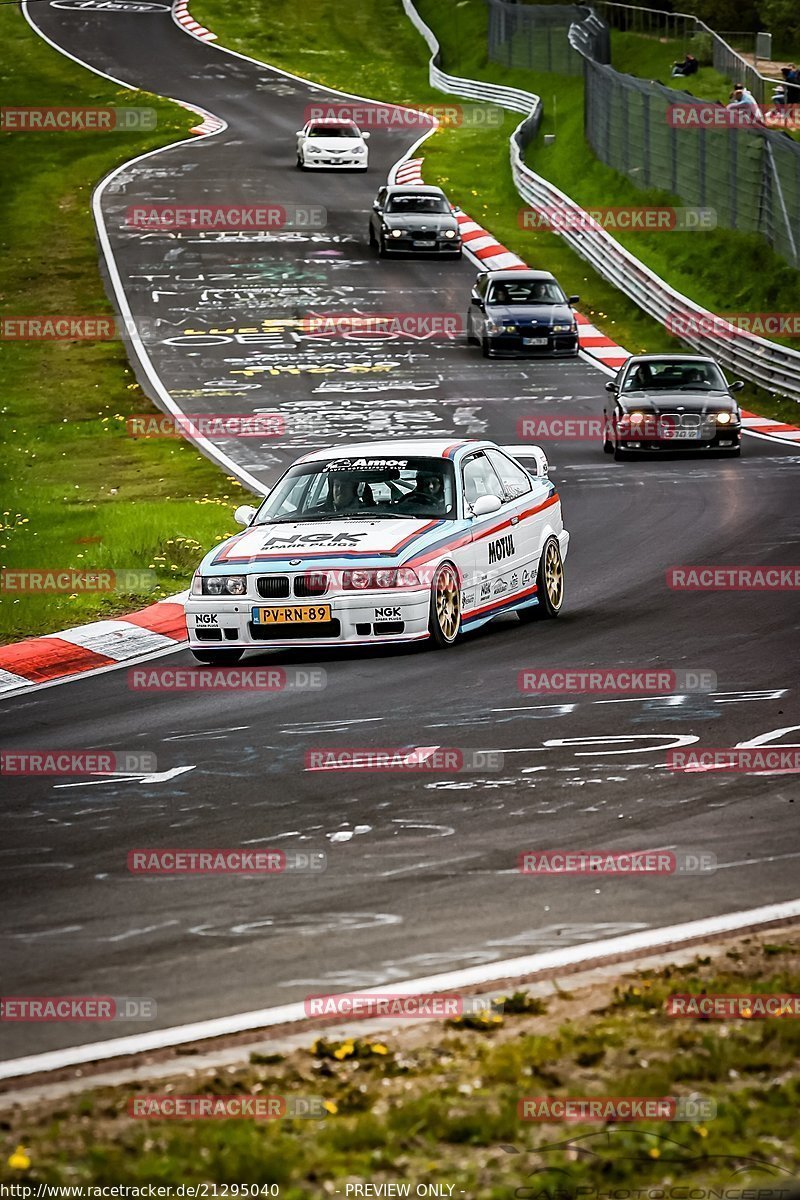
485 505
365 136
736 387
476 300
244 514
300 132
376 205
573 299
611 386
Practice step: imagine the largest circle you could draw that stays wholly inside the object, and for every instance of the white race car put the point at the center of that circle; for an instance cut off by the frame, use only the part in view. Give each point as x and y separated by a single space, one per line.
332 143
383 542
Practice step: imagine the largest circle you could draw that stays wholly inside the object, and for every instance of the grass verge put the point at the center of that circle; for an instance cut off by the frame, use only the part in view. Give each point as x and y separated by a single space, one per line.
440 1103
725 271
78 493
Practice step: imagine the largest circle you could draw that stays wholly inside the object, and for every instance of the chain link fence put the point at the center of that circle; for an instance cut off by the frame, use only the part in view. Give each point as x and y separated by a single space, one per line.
749 176
536 36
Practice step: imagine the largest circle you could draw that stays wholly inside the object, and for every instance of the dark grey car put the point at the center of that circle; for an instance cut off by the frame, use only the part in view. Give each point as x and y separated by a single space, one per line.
414 219
671 402
521 312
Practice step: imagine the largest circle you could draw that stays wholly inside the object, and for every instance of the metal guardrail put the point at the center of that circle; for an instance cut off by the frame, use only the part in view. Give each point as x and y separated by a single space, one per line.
773 367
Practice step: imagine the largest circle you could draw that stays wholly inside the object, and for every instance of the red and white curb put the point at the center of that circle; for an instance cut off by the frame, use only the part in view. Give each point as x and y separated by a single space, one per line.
101 645
768 427
180 12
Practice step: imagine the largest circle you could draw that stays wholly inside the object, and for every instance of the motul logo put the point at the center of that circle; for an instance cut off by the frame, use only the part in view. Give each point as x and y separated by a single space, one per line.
502 548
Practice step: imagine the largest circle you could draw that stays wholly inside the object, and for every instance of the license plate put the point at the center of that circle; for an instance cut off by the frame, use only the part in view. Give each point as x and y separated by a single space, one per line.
295 614
684 434
534 341
424 245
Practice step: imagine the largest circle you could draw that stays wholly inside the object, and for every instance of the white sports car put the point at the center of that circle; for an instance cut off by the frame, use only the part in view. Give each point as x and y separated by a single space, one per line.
332 144
384 542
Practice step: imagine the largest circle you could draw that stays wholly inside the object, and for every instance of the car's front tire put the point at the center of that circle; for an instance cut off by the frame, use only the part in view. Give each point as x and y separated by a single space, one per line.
486 347
471 339
301 166
549 585
444 623
217 658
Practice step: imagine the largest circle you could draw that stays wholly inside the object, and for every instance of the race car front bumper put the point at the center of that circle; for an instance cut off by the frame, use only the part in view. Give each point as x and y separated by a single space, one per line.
363 619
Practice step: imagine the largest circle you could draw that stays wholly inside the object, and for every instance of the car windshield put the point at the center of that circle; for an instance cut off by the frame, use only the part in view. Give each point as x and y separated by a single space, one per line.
539 291
334 131
673 374
417 204
362 487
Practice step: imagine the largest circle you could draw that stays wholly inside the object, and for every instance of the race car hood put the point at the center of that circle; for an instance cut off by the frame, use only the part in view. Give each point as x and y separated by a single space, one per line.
667 401
334 145
420 221
530 314
342 541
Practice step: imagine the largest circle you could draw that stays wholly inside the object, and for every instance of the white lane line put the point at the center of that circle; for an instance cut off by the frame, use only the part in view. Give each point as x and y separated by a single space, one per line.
628 944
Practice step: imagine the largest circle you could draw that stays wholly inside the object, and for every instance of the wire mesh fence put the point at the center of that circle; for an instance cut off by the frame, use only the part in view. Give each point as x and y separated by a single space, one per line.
536 36
749 175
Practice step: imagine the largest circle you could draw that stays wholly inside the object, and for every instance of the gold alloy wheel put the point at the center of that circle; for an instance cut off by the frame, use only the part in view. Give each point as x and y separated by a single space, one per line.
554 575
448 604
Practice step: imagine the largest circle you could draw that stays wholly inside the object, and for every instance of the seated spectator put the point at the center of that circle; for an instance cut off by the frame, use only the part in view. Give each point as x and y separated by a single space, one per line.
689 66
744 102
792 76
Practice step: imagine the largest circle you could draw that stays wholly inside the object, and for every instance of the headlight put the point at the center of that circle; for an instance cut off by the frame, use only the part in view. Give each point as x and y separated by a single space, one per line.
493 327
563 329
722 418
384 577
224 585
509 329
449 233
635 418
360 150
396 232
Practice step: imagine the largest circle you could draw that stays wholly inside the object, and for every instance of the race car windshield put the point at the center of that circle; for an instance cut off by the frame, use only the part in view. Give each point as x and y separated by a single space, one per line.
665 374
362 488
334 131
538 292
417 204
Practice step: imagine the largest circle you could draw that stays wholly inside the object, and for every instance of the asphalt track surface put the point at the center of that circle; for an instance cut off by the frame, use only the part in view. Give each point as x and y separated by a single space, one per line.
421 871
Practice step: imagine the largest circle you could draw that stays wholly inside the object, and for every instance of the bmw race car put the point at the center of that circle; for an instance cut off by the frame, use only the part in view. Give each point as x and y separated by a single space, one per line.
521 312
384 542
413 219
672 402
323 144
